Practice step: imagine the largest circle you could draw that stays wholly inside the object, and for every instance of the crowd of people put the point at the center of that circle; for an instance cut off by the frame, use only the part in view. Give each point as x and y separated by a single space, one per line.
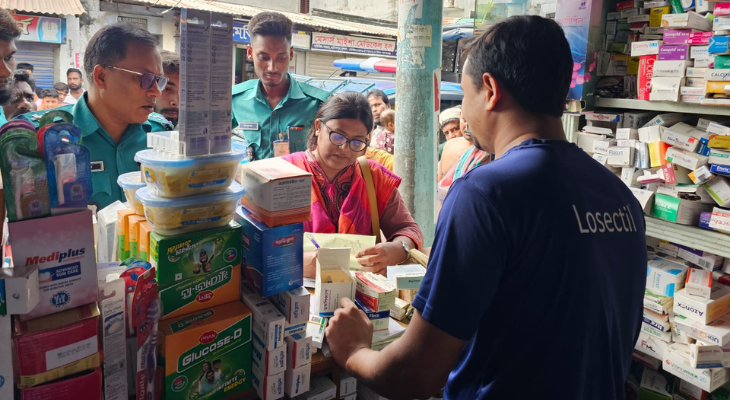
499 258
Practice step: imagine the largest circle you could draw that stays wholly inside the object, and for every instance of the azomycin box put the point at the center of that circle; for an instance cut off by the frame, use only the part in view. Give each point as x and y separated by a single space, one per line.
62 247
701 309
665 277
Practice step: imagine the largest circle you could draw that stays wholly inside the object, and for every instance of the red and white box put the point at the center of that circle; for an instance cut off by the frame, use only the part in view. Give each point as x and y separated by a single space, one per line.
699 283
83 387
375 291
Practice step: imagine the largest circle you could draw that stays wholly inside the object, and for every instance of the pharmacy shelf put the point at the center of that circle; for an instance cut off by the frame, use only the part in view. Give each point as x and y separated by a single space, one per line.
661 106
690 236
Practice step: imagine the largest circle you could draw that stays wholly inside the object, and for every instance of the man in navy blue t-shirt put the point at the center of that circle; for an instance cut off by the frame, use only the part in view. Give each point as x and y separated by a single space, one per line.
536 278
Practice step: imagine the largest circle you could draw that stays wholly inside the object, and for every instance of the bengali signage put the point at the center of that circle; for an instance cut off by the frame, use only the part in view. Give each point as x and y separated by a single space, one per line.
299 39
41 29
353 44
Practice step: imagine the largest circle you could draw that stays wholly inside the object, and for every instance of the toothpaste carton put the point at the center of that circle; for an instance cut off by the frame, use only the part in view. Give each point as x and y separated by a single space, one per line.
665 277
677 362
268 387
690 20
294 304
717 332
685 159
18 290
56 346
703 310
278 192
333 280
195 82
213 356
272 258
315 330
650 345
62 247
699 283
299 350
211 289
296 381
375 291
320 388
719 157
192 255
406 277
271 362
268 321
719 190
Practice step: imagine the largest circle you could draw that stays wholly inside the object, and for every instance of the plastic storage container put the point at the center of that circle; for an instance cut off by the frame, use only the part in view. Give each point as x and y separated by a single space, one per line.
186 214
178 177
130 182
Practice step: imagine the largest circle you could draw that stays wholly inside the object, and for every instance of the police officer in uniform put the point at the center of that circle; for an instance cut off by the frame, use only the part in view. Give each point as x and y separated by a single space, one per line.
116 113
275 106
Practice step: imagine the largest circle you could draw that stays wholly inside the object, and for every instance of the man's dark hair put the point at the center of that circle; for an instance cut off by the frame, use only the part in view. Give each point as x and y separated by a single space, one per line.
269 23
25 66
378 93
61 87
49 93
22 76
170 62
109 45
9 29
76 70
346 105
530 56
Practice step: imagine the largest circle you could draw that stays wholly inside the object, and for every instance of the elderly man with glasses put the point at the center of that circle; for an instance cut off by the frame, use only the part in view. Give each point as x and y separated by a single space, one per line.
124 68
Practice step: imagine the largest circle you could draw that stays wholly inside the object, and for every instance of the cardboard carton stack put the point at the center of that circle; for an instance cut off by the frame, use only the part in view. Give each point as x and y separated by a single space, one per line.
718 46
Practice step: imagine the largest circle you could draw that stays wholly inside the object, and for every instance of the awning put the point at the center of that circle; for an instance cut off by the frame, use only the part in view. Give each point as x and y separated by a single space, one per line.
249 11
61 7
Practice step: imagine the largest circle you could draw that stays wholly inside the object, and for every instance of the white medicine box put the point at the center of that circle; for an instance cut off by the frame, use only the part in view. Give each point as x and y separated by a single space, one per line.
333 280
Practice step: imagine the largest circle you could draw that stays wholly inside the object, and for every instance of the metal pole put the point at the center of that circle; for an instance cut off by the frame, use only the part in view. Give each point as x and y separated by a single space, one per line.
418 83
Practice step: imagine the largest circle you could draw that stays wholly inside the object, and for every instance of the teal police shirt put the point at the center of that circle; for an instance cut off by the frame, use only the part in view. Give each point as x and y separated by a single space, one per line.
261 125
108 159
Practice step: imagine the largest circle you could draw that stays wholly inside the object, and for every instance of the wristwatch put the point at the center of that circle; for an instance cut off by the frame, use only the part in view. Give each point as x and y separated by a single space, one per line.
408 251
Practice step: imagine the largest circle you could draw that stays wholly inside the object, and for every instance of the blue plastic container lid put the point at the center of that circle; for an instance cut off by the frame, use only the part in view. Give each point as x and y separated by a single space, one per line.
131 180
147 198
157 159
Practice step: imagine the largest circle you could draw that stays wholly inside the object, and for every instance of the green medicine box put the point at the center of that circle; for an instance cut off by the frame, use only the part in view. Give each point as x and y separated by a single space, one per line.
193 255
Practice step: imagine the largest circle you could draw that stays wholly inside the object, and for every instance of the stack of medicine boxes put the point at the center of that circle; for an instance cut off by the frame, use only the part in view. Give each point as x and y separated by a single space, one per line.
276 203
189 200
718 48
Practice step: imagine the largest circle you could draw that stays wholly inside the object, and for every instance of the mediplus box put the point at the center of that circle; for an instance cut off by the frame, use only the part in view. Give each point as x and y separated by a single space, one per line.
299 350
272 258
665 277
333 280
277 191
56 346
268 321
294 304
195 84
62 247
270 362
207 353
195 254
700 309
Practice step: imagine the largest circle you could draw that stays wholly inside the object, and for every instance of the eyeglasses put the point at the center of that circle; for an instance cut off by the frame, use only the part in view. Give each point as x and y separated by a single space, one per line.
146 80
340 140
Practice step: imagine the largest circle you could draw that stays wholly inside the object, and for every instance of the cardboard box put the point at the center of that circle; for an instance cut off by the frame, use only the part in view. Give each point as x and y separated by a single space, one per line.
620 156
703 310
680 211
717 75
656 333
272 258
719 189
657 153
602 146
270 362
375 291
720 169
701 175
719 45
685 159
145 231
195 254
320 388
299 350
655 386
704 260
677 363
722 62
683 136
690 20
645 197
268 387
66 389
721 23
195 82
296 381
664 277
720 220
697 82
699 52
708 356
406 277
668 57
268 321
379 319
278 192
333 280
627 134
650 134
675 36
19 292
646 48
665 88
223 341
716 332
721 157
646 73
699 38
657 303
62 247
315 330
699 283
56 346
719 141
717 129
294 304
650 345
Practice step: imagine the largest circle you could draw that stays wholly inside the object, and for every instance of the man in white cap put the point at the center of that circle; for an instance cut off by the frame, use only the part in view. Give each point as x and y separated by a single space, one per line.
450 124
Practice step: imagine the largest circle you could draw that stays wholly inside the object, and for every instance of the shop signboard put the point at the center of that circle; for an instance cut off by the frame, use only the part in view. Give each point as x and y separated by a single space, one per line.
353 44
138 22
300 40
41 29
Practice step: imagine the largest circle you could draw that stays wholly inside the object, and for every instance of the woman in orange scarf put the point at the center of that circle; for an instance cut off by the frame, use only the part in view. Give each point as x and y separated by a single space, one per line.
340 204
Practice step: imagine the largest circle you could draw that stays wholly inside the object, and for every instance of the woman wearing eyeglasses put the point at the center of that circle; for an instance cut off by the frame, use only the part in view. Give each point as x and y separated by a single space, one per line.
340 203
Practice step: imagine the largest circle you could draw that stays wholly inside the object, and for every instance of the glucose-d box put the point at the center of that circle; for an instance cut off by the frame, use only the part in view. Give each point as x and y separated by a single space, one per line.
270 362
296 380
406 277
333 280
62 247
701 309
294 304
18 290
298 350
685 159
268 322
278 192
699 283
664 277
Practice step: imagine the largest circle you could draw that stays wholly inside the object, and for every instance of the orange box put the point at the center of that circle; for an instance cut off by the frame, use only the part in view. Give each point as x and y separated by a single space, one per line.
134 222
122 233
144 240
